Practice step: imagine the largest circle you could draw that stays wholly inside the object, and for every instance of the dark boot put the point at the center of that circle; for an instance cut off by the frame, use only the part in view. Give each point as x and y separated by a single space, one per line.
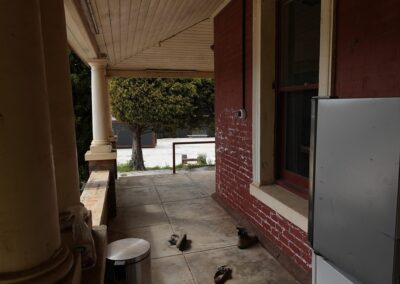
182 242
246 240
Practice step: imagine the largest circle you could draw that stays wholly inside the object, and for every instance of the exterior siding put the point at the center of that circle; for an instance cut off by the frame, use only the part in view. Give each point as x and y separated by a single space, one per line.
234 138
368 49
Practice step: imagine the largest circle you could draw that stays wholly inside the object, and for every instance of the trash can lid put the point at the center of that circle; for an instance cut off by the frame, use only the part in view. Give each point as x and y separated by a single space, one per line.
129 250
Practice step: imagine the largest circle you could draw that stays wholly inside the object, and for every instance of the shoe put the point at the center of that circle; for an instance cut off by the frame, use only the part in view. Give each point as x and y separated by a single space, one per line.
181 244
173 239
180 241
246 240
223 274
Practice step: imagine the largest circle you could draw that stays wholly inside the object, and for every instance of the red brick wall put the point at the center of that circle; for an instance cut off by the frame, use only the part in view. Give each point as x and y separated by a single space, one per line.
368 48
367 65
234 137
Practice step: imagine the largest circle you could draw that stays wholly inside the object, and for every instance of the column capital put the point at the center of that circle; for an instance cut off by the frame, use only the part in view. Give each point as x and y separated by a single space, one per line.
100 63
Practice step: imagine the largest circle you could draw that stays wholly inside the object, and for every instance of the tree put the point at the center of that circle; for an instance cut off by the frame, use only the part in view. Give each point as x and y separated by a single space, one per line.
202 113
81 92
150 103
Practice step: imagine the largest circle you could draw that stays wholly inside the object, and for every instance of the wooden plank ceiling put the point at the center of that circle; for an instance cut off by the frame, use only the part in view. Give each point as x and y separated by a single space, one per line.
144 35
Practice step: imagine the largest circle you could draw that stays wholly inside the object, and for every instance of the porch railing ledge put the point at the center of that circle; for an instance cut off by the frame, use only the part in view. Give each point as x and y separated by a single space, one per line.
94 196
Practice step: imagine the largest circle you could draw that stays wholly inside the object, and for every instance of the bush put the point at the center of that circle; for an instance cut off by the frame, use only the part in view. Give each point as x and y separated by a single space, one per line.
126 167
202 160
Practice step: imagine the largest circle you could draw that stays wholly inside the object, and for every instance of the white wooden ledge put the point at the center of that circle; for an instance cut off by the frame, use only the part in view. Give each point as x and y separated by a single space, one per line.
94 196
287 204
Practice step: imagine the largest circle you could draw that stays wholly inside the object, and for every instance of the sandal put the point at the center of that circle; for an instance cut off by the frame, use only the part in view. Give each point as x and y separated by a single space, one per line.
173 239
180 241
223 274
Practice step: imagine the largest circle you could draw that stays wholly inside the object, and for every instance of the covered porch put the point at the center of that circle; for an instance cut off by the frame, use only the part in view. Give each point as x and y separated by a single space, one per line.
247 46
154 207
37 138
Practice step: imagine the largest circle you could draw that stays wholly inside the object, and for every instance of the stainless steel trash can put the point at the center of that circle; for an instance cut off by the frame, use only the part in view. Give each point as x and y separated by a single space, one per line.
128 262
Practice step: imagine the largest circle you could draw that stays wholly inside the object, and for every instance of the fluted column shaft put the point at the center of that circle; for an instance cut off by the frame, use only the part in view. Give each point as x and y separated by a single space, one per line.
60 103
29 224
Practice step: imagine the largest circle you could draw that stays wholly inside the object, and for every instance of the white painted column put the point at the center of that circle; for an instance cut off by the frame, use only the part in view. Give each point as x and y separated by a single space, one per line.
102 156
62 119
100 110
30 244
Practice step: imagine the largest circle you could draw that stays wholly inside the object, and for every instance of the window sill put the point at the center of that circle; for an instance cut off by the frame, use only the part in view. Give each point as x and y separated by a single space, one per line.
285 203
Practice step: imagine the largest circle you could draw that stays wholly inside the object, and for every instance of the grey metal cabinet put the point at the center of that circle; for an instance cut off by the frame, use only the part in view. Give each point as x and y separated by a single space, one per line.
354 200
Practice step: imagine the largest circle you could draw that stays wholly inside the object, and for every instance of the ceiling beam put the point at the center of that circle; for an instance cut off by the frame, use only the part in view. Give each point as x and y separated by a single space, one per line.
160 73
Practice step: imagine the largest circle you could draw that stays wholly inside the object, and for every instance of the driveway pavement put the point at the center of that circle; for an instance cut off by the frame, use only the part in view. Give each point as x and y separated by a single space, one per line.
162 154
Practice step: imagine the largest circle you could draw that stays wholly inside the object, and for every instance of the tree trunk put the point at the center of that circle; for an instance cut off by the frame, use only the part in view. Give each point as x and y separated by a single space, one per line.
137 154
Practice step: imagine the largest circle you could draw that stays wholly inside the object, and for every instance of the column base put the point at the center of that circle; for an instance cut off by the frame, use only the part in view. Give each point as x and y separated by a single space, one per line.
100 156
104 148
75 275
53 271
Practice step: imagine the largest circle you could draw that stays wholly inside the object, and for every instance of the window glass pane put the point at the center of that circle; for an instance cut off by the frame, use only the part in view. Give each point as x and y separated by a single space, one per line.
299 42
297 131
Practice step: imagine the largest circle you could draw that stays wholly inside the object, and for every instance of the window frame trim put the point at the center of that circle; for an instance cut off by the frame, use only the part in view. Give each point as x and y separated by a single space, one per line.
264 84
286 178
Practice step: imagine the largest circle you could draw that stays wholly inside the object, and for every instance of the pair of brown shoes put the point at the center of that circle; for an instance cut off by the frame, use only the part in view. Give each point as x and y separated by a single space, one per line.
246 240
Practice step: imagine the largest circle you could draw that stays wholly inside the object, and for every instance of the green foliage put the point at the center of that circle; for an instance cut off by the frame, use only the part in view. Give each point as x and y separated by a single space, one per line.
150 103
202 112
161 103
80 79
125 167
202 159
167 103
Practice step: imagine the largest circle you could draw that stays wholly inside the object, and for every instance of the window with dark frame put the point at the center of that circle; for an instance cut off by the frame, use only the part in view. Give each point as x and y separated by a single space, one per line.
298 28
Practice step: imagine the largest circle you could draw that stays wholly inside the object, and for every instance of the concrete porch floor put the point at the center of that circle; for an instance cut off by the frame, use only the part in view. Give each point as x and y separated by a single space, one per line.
154 207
